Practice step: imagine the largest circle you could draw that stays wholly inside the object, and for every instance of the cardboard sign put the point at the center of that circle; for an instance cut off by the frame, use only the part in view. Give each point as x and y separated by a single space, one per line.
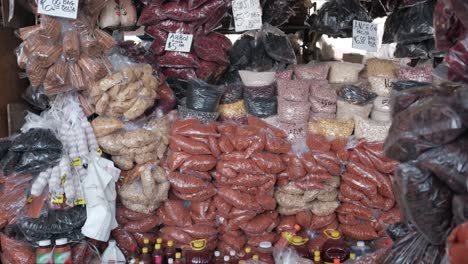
365 36
58 8
247 14
179 42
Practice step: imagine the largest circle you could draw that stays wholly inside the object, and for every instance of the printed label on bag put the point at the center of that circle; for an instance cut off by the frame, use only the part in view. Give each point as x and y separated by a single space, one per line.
57 199
365 36
76 162
247 14
80 201
179 42
58 8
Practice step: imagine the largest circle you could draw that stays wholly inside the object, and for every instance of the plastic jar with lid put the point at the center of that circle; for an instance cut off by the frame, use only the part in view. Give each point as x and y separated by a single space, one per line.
265 252
44 253
334 247
62 252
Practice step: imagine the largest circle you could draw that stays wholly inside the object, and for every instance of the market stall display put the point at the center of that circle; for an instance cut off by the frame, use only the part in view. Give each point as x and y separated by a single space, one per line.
228 152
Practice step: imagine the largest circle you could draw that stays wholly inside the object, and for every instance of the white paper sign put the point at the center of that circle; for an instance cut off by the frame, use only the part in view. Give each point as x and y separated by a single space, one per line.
365 36
179 42
247 14
58 8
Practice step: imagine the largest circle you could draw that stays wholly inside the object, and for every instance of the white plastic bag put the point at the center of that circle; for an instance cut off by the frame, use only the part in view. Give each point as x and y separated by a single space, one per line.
113 254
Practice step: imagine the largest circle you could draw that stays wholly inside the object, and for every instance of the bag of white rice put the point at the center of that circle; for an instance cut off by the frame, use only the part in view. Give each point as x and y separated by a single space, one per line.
370 130
293 112
347 111
381 86
251 78
344 72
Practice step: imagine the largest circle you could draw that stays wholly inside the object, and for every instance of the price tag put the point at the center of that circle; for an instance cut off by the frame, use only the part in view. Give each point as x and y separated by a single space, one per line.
179 42
99 151
365 36
80 201
76 162
58 8
247 14
57 199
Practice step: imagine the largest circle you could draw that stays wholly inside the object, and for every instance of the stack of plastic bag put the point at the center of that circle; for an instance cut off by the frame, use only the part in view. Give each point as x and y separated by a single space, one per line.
368 203
245 177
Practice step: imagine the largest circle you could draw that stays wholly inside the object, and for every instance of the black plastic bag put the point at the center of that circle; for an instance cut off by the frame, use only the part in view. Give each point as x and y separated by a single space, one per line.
277 45
411 24
414 248
241 52
9 162
449 163
397 231
460 208
425 200
36 97
277 12
261 61
4 147
427 123
335 18
179 87
202 96
56 224
261 107
36 139
423 49
233 87
33 151
356 95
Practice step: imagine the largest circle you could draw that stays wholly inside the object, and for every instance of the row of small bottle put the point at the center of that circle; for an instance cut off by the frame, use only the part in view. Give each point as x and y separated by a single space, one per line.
48 254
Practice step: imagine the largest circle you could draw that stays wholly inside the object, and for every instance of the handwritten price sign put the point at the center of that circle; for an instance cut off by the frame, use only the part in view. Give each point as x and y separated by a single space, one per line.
58 8
247 14
179 42
365 36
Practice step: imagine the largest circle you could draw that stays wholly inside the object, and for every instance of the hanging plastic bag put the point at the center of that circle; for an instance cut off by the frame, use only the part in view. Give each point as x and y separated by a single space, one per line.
414 248
410 25
335 18
203 97
277 44
425 200
428 123
449 164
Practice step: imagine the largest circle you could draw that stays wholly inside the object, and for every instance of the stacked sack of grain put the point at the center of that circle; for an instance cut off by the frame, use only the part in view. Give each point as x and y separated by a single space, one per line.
368 203
245 176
